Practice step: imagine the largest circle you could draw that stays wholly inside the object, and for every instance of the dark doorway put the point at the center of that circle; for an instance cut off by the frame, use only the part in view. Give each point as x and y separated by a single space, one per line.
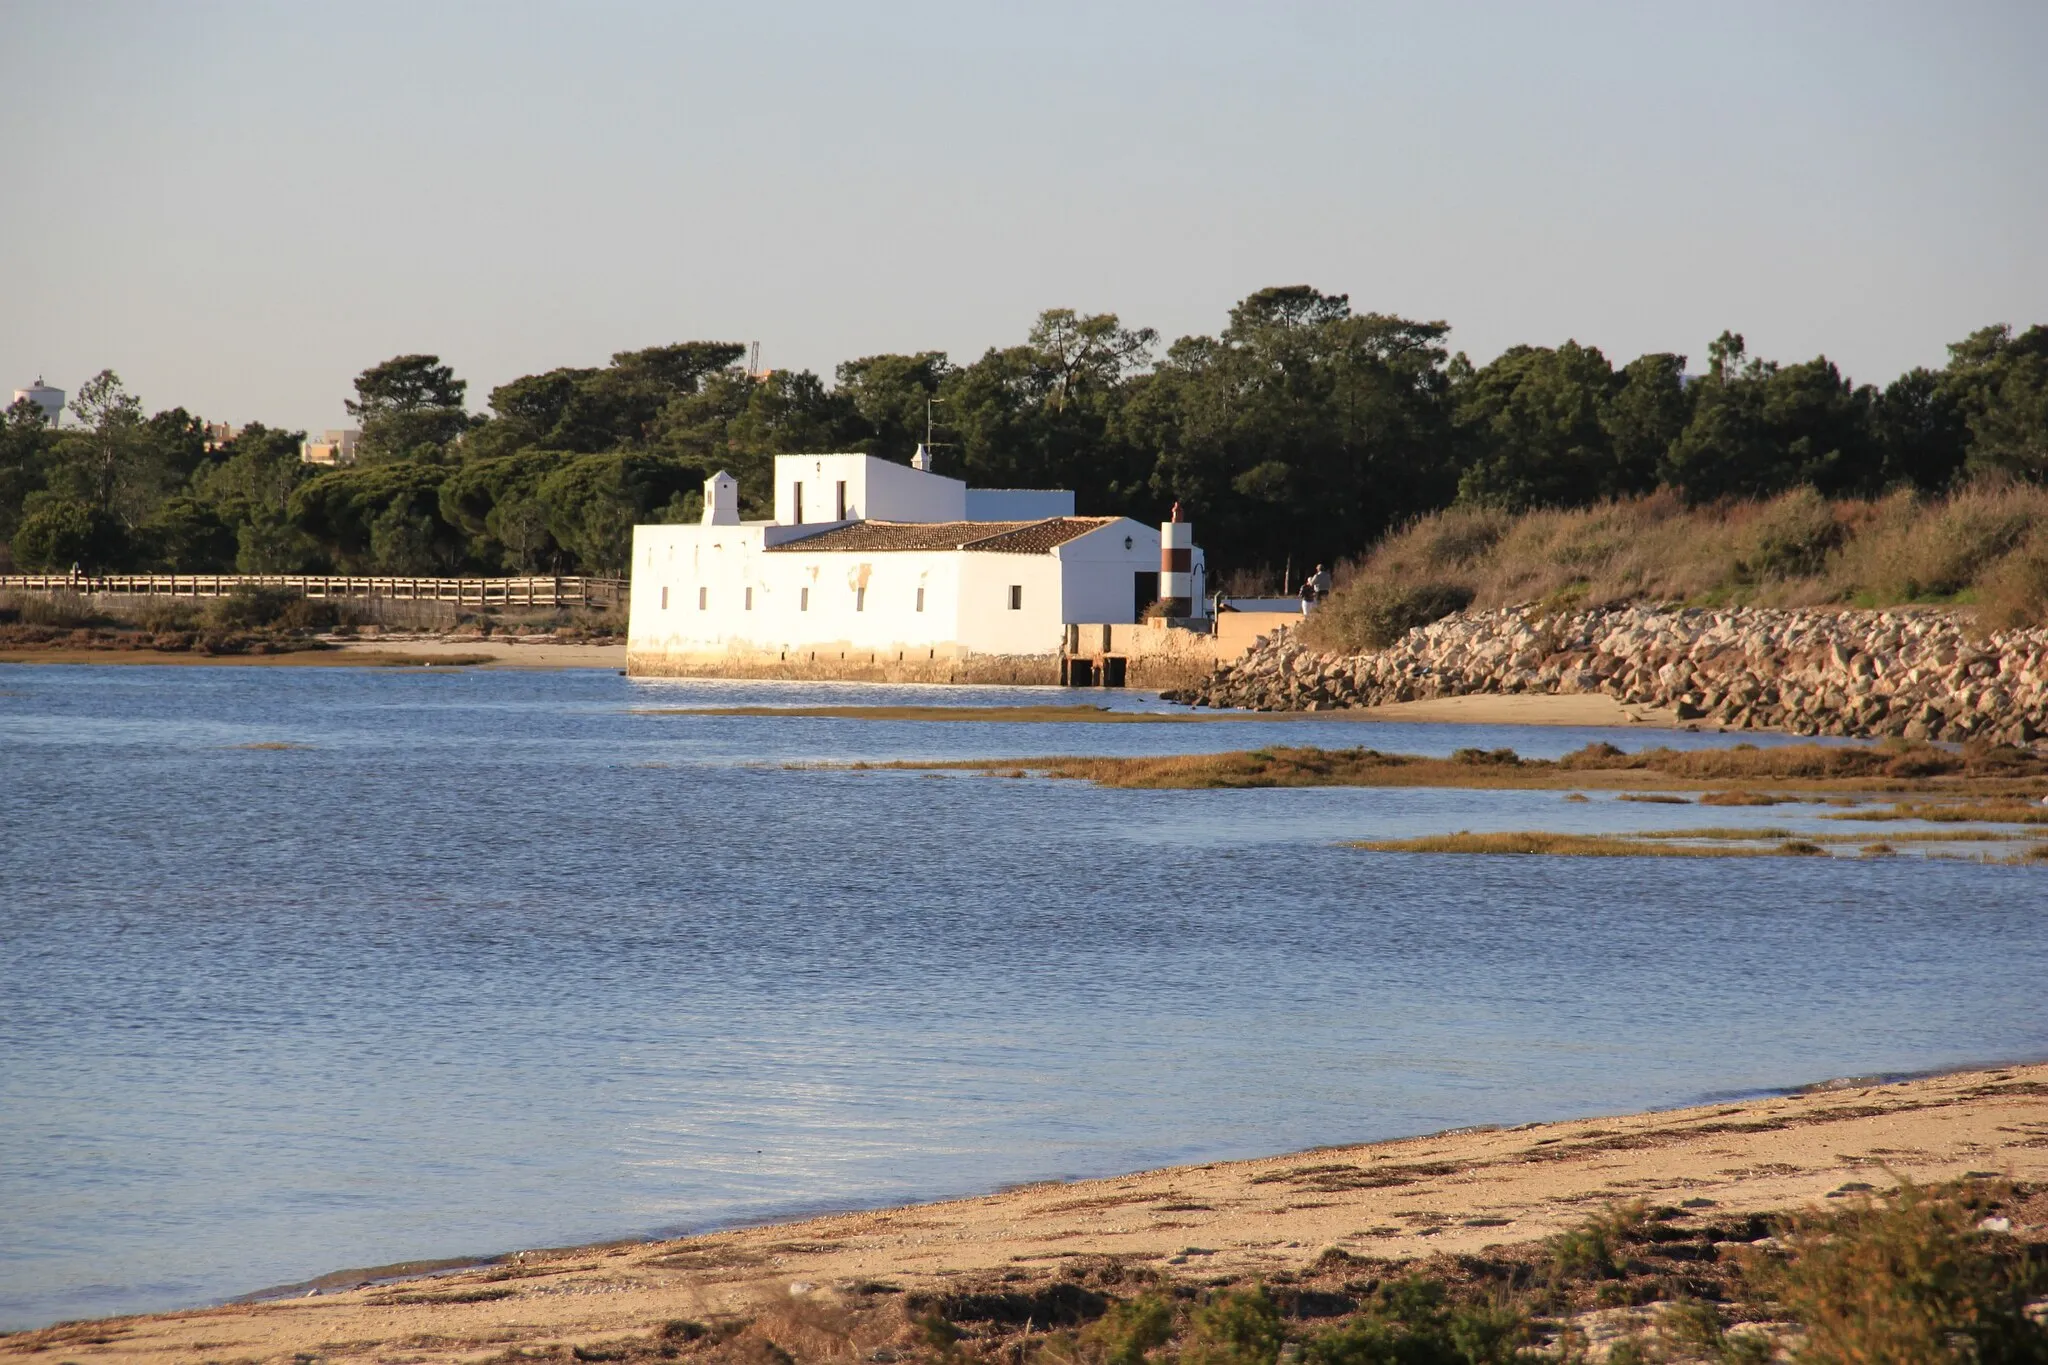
1146 593
1112 670
1080 672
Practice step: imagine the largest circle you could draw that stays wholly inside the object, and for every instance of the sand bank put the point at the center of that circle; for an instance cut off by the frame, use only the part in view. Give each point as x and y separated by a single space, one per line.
1457 1192
501 651
382 652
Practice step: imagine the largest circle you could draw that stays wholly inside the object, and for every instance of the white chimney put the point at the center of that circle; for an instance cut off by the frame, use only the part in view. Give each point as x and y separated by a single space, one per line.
922 460
721 500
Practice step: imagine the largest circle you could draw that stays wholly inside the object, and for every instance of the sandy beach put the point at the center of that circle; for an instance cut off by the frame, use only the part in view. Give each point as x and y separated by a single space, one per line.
1462 1192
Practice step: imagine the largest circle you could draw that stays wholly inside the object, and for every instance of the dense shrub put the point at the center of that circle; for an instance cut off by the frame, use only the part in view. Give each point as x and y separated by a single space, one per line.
1910 1281
271 609
1369 615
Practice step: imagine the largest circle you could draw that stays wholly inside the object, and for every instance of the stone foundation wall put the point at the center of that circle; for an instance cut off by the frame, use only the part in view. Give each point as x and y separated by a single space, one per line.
1918 674
1015 670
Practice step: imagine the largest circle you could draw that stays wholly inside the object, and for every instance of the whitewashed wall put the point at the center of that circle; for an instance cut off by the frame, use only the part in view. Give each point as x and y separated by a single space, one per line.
1098 585
691 587
876 490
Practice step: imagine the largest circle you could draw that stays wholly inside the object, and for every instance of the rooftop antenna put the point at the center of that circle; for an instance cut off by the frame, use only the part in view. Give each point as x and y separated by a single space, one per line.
923 459
753 360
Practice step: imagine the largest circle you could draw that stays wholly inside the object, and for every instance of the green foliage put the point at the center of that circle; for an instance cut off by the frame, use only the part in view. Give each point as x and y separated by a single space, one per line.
1301 431
1759 428
2000 384
379 518
1412 1322
410 408
1908 1281
1597 1249
270 609
1235 1327
187 535
1537 424
58 533
1129 1330
594 502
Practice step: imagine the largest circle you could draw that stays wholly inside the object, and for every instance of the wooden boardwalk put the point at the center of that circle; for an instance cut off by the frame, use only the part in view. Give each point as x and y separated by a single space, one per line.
505 592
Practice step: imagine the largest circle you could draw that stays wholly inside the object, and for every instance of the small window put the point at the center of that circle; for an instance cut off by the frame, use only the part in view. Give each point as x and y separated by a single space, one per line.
664 599
1016 597
803 600
750 599
839 510
920 599
703 598
860 599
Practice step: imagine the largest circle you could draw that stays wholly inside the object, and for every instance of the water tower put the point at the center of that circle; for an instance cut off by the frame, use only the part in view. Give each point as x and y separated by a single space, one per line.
50 400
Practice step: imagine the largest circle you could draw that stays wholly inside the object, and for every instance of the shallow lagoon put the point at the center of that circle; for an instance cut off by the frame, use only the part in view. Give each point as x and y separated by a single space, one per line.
493 961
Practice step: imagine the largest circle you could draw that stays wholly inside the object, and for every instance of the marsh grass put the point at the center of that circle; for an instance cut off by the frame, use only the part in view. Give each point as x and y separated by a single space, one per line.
1891 767
62 610
2006 812
1536 842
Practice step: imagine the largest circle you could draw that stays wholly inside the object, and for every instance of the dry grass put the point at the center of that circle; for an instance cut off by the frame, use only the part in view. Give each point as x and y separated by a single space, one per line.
1891 767
1955 812
1987 543
1571 846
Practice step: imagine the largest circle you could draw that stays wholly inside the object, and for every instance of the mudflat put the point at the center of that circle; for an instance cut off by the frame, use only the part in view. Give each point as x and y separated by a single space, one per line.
383 652
1462 1192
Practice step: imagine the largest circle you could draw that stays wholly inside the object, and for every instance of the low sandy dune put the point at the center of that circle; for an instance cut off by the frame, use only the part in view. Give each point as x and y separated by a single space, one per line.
1452 1192
504 651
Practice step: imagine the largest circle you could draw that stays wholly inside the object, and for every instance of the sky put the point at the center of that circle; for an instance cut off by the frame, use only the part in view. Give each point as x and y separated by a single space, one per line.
240 204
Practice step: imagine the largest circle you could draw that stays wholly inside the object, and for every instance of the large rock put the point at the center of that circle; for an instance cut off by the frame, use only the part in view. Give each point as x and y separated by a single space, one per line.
1922 674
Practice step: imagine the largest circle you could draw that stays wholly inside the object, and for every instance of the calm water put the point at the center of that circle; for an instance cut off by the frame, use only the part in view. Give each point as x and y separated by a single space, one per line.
494 962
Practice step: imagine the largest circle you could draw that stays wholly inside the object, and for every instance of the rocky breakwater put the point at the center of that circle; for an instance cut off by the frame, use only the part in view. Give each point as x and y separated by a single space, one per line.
1917 674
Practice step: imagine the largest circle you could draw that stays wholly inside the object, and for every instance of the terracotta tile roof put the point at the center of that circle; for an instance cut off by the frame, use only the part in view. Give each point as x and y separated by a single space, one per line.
996 537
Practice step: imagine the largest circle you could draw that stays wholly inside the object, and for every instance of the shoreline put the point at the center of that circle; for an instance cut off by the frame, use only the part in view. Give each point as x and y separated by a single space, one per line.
399 1272
1463 1191
385 651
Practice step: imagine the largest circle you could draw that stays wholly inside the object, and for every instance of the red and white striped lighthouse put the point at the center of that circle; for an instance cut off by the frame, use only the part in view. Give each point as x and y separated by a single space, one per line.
1177 566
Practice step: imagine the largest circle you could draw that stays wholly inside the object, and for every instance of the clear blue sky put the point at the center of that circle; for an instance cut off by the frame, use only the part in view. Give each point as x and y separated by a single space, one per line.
240 205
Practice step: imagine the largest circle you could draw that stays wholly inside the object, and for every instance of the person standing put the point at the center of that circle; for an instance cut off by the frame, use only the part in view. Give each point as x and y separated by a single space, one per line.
1315 587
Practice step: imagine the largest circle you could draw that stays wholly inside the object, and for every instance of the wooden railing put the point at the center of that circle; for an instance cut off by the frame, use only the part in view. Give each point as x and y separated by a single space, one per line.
509 592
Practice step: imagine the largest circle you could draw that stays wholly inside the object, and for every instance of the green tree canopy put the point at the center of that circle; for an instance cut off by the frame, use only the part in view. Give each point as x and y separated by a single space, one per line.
410 408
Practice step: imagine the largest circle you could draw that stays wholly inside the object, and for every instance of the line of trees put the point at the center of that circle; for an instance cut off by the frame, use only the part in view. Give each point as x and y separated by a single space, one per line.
1303 430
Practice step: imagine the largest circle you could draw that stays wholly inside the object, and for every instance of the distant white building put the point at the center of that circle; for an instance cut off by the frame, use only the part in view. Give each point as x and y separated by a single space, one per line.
333 448
876 570
50 400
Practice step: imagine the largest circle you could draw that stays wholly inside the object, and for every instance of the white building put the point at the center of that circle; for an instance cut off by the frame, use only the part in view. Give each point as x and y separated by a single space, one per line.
50 400
876 570
333 448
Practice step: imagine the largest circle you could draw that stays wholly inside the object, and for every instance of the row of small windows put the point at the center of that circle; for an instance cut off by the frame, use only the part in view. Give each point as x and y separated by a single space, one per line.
860 598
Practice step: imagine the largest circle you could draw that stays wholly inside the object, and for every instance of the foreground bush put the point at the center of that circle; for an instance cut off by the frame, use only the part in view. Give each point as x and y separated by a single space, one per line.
1912 1281
271 609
